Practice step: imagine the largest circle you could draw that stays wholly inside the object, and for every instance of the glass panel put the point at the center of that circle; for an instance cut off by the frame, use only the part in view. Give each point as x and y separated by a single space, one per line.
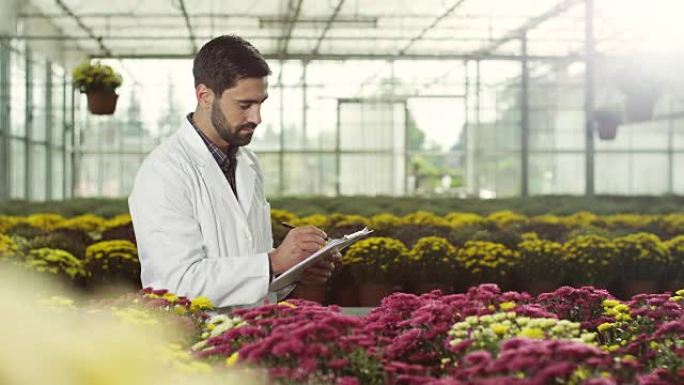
678 174
295 133
18 172
100 175
435 124
68 172
270 169
556 174
435 174
57 127
497 175
374 126
267 135
18 92
678 134
371 174
638 136
321 120
57 175
38 172
631 174
38 84
129 167
309 174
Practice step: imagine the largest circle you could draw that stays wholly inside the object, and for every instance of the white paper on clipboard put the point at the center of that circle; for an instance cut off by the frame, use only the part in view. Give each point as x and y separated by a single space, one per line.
293 274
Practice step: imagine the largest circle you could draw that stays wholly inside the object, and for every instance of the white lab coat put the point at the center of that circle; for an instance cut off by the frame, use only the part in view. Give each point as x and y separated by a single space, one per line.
194 237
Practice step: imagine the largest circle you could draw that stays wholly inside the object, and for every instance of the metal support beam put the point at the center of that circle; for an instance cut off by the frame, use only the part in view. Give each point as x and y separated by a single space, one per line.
281 148
524 120
354 56
181 5
466 130
328 24
49 145
589 96
262 36
429 27
478 106
285 41
28 111
338 153
305 106
670 148
85 28
530 24
5 156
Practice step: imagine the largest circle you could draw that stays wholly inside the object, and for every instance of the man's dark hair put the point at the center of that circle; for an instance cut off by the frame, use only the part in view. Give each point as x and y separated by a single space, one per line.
224 60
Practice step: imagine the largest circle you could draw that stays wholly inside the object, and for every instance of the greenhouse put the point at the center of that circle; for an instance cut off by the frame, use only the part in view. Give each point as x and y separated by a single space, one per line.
444 192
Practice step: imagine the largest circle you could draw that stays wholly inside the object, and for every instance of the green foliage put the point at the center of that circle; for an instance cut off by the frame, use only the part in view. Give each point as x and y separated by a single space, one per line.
375 259
93 77
399 206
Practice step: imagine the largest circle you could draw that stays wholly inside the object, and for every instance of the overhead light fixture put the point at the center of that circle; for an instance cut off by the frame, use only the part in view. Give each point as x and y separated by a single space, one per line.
319 22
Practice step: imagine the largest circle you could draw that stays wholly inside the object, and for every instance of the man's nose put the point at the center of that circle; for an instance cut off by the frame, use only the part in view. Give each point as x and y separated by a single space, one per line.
255 114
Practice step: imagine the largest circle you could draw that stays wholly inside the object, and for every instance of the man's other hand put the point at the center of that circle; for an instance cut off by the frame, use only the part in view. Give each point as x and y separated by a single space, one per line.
321 272
298 244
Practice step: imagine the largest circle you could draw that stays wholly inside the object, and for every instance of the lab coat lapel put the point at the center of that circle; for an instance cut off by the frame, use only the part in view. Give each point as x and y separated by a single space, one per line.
245 176
210 171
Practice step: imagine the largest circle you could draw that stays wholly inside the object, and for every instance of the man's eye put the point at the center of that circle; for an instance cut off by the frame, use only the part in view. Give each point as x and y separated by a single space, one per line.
245 106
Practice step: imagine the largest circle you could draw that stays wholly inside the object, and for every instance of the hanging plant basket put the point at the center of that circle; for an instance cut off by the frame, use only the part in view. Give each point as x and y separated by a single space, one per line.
99 82
639 108
102 103
607 123
641 89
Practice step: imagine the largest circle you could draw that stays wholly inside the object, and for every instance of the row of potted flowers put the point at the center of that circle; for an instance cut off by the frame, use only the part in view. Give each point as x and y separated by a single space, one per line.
547 226
484 336
640 258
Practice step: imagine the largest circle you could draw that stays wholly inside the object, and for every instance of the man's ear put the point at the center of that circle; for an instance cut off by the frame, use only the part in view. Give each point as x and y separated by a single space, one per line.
205 96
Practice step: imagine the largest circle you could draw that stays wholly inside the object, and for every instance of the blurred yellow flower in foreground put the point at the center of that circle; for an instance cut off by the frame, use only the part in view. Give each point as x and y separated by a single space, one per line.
42 345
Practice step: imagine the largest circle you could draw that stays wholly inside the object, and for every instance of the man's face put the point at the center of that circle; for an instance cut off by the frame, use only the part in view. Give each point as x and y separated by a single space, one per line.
237 113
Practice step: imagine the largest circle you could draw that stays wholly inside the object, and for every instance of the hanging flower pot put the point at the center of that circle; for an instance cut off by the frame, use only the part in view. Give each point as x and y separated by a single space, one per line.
641 89
99 82
607 123
102 103
639 108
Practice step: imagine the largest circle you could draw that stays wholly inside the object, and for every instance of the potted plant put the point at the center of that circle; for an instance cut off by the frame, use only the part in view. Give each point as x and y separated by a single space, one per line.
643 262
99 82
607 123
432 265
540 267
641 91
375 264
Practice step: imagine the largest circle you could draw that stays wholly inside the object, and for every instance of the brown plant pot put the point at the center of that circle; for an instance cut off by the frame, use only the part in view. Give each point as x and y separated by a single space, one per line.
607 123
640 286
426 287
371 294
102 103
346 296
314 293
671 285
538 287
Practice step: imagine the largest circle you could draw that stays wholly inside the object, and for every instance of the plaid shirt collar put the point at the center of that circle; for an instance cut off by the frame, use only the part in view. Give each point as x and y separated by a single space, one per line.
223 158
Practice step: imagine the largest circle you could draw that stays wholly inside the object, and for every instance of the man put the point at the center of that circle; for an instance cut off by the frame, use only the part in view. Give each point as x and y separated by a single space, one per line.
200 215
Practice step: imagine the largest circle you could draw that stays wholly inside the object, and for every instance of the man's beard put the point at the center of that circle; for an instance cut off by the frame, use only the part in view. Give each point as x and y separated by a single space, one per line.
226 132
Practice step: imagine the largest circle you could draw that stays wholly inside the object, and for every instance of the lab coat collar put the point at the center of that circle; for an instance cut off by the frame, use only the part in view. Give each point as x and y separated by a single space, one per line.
245 173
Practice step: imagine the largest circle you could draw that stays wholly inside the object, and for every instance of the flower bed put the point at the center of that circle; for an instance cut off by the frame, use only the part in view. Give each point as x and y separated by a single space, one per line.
483 336
415 251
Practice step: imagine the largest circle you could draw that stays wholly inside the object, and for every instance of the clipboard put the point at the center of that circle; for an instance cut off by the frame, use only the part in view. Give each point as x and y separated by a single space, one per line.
293 274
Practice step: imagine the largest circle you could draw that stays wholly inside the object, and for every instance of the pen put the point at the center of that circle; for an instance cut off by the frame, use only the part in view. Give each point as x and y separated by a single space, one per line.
291 226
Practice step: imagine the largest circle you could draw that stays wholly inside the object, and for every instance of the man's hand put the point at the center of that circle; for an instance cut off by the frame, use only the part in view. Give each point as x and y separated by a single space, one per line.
321 272
298 244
